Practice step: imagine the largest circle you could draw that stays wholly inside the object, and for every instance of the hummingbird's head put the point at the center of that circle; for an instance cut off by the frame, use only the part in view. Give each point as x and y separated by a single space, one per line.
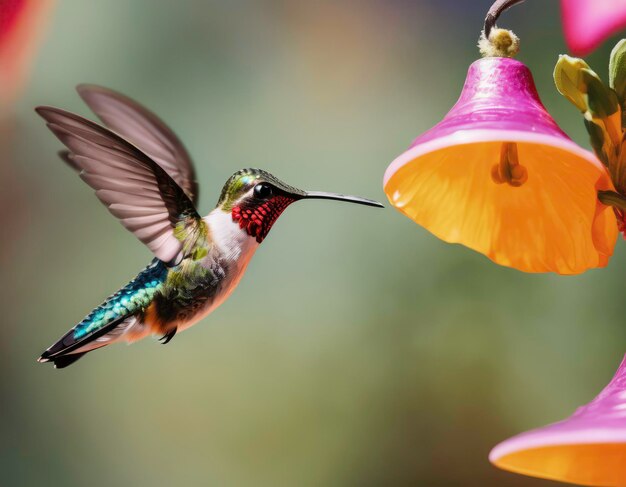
256 199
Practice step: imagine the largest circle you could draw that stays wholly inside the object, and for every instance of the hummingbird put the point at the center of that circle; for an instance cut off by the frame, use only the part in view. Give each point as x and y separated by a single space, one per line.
145 177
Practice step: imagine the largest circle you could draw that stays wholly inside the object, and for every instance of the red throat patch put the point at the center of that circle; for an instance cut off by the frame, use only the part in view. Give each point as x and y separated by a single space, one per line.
257 221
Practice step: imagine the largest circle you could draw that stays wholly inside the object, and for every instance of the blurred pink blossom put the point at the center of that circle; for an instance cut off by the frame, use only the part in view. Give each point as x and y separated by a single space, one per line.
587 23
21 25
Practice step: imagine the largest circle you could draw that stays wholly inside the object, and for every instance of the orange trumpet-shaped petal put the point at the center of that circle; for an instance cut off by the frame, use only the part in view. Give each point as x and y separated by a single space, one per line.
593 464
551 222
498 176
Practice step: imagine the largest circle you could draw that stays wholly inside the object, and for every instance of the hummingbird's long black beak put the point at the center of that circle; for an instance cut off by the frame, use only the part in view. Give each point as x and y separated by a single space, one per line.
323 195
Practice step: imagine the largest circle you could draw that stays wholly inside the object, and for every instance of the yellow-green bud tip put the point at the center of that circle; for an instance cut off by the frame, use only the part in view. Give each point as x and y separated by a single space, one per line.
501 43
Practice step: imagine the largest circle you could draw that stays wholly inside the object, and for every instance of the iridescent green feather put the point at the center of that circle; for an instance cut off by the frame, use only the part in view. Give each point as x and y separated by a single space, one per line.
132 298
243 180
193 233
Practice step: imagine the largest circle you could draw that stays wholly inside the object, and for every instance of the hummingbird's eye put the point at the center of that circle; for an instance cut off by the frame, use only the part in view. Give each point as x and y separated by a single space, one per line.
262 191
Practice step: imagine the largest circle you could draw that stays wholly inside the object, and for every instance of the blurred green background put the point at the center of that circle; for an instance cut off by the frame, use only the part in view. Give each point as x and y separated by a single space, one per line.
358 350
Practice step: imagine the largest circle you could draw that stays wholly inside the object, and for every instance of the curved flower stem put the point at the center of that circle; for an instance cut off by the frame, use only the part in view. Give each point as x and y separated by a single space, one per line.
611 198
494 12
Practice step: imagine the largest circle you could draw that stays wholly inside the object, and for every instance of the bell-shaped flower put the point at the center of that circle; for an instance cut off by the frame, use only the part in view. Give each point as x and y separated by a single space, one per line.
499 176
588 448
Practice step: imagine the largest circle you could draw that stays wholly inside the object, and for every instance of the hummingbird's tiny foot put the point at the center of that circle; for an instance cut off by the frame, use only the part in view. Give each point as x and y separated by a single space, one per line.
168 336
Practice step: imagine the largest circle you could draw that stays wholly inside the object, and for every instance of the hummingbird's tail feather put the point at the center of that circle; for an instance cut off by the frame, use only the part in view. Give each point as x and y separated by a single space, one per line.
119 317
62 361
69 349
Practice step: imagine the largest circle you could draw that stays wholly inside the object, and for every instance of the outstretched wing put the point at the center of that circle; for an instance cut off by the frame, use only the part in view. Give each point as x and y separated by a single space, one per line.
145 130
141 194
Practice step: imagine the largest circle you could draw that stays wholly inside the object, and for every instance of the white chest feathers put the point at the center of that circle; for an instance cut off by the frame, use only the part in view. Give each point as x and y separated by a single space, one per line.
235 249
232 242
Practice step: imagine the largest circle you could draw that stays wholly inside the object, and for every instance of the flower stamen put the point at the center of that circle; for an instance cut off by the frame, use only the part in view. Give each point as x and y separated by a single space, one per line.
509 170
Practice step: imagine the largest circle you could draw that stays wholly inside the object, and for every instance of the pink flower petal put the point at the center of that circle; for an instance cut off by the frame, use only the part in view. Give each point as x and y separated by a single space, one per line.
587 23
